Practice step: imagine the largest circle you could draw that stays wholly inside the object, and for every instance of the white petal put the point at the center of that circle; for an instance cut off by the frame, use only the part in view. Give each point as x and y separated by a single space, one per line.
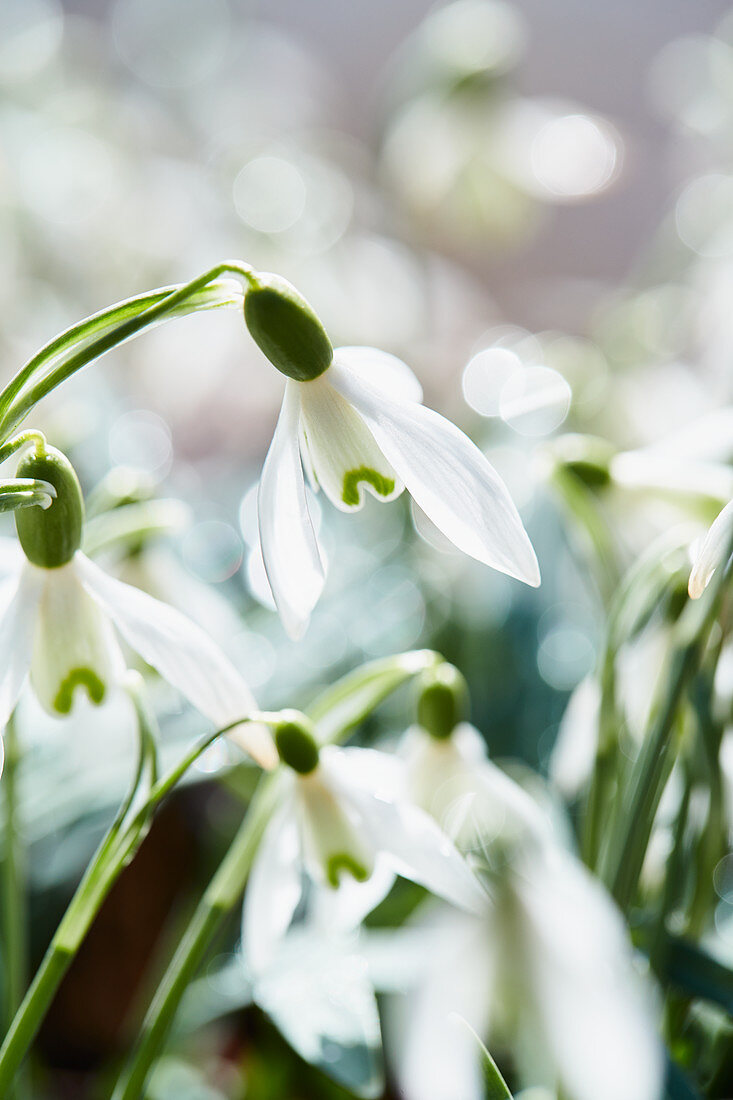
273 890
11 556
346 460
319 994
289 545
712 552
417 848
590 1006
74 645
437 1056
382 371
448 476
19 598
574 751
182 653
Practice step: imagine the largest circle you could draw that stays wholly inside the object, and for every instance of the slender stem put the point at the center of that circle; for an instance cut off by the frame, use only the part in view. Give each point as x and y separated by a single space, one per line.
14 887
115 851
221 896
146 310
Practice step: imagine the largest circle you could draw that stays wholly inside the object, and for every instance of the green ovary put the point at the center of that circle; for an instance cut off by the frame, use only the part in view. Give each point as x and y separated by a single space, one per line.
352 479
342 863
78 677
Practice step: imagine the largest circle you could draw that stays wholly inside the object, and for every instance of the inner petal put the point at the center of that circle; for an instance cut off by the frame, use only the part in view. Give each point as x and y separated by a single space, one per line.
74 645
341 449
334 843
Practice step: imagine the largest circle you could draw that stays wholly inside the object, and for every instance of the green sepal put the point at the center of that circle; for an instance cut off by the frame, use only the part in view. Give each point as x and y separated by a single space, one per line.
443 701
286 328
51 536
295 743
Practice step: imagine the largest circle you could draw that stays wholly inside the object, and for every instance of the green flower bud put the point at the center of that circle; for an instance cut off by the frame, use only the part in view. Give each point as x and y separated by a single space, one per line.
286 328
51 536
443 701
295 743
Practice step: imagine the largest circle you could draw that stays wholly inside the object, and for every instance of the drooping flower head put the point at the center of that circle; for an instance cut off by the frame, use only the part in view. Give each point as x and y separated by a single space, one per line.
353 417
59 611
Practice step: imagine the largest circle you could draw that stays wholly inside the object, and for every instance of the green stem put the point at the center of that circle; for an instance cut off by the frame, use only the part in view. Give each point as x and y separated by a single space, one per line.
222 894
96 335
14 887
115 851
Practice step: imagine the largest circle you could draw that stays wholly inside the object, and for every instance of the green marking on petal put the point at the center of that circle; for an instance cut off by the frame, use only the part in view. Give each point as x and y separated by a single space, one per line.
78 677
352 479
341 862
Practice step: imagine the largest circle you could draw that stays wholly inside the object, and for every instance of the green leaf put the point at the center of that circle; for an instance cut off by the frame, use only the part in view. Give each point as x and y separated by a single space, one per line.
496 1086
677 1085
346 703
694 971
132 524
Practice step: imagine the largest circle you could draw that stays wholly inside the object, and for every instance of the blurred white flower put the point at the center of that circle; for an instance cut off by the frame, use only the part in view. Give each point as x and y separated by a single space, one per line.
347 827
547 968
712 552
456 782
360 425
57 625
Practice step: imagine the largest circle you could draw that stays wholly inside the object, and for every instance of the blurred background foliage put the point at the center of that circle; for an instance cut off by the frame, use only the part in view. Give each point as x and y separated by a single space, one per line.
531 204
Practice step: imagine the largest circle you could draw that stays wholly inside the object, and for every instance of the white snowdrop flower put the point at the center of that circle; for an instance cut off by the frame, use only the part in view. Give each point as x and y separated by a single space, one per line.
712 552
547 967
353 418
59 614
342 821
447 770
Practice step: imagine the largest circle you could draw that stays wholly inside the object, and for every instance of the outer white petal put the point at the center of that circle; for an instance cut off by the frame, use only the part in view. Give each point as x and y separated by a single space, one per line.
417 848
448 476
273 889
712 552
19 598
436 1057
345 458
381 370
574 751
595 1020
319 994
290 549
11 557
182 653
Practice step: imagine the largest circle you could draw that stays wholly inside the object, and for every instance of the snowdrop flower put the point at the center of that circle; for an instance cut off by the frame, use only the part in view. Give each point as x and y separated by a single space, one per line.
712 552
448 771
546 967
58 611
353 417
342 821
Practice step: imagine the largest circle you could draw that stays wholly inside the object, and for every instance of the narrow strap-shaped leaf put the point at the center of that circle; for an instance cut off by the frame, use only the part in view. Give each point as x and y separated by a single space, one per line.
347 702
678 1085
696 972
496 1086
